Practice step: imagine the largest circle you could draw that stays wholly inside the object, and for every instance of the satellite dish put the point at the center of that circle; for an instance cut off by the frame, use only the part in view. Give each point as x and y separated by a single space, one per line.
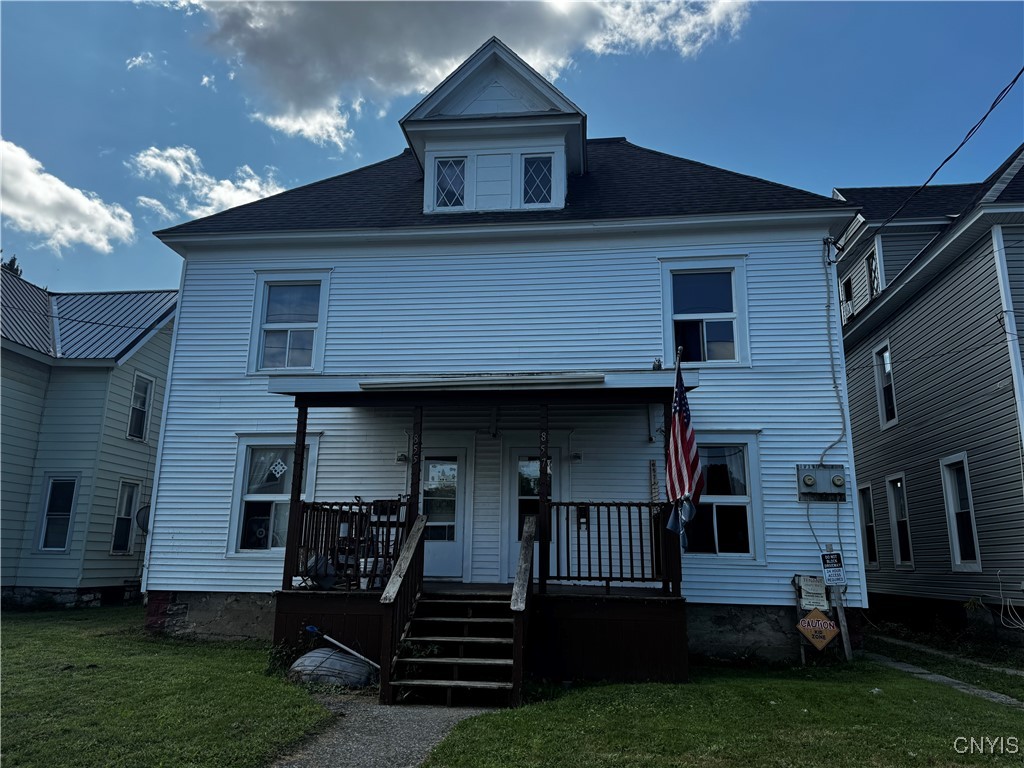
142 518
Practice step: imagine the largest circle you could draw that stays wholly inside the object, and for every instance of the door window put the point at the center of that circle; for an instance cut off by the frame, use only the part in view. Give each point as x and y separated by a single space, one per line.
440 497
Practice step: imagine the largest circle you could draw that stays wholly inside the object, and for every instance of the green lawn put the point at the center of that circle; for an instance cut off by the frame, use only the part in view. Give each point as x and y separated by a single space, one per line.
858 716
89 688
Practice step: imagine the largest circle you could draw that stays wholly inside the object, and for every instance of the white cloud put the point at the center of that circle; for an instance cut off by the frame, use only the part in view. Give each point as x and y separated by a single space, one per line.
209 81
199 193
154 205
40 204
305 59
144 60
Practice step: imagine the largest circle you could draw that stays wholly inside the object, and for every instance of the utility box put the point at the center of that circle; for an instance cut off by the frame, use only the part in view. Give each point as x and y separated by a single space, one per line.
821 482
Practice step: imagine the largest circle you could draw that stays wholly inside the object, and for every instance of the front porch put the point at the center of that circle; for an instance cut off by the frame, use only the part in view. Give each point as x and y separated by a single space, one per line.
588 590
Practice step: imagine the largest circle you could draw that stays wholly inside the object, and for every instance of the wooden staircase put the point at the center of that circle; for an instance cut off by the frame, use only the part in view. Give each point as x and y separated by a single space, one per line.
458 650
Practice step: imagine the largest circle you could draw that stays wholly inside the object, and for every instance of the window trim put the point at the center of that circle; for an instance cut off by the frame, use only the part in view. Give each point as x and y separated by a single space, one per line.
879 390
907 565
755 518
131 517
149 408
734 264
267 278
264 440
48 479
948 497
871 565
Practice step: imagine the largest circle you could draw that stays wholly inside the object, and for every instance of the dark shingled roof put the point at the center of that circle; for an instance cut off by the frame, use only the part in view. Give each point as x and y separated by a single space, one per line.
623 181
878 203
1014 191
87 326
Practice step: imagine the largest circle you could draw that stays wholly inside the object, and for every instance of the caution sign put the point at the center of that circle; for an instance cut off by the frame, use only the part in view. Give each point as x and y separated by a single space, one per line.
832 565
818 628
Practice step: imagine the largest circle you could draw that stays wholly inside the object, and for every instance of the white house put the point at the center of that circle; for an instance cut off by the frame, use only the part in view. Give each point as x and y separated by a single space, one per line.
497 300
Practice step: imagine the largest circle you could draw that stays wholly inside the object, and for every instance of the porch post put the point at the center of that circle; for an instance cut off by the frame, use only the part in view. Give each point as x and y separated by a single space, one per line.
291 550
544 503
416 464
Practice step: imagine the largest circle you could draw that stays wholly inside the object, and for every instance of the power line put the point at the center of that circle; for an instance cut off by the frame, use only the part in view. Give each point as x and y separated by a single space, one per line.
65 319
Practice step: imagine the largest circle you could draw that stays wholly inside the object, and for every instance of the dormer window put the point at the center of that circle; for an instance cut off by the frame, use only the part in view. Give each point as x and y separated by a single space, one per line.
537 180
451 182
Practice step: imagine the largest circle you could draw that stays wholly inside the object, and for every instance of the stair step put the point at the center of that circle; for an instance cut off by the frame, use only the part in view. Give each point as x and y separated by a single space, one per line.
456 660
465 620
482 684
461 639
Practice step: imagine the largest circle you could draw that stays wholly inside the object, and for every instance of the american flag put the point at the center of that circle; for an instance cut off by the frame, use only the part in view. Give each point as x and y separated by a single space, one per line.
683 474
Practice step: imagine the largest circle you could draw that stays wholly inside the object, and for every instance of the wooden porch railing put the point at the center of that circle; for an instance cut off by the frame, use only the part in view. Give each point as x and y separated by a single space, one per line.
613 542
349 545
522 592
399 601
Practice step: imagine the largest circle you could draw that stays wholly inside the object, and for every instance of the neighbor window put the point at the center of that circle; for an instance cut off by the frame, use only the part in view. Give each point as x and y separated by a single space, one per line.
450 182
124 518
723 523
963 534
899 518
138 412
867 516
289 322
537 180
871 268
885 389
704 315
60 502
265 492
846 304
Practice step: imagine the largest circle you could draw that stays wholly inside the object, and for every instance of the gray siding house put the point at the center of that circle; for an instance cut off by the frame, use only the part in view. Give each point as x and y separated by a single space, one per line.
83 378
933 317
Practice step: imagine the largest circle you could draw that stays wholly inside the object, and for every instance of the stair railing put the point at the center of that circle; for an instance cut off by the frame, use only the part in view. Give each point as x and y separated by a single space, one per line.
522 591
399 602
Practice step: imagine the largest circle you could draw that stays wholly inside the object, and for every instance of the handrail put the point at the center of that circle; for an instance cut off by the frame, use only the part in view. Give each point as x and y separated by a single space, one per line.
404 561
524 571
398 603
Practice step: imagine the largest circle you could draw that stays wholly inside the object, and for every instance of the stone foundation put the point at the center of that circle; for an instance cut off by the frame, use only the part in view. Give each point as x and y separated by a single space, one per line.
42 598
212 615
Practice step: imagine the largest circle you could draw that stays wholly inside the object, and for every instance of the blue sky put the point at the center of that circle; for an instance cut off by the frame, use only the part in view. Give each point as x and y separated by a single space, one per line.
122 118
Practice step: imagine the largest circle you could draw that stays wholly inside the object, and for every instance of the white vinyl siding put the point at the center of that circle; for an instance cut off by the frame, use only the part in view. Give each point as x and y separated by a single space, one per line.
493 306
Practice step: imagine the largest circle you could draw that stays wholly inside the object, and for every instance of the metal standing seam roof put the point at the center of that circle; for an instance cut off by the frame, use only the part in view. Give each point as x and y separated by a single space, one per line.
82 326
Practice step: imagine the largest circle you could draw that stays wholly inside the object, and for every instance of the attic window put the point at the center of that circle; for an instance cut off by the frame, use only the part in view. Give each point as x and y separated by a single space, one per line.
451 182
537 180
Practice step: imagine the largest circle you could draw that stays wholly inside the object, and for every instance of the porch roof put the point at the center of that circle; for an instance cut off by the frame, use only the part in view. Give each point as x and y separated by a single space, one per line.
551 388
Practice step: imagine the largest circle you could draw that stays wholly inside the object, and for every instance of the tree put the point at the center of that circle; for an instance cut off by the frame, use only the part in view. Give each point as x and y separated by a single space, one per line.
11 265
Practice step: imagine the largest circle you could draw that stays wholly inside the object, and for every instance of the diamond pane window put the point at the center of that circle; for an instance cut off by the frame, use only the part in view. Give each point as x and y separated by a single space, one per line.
451 182
536 180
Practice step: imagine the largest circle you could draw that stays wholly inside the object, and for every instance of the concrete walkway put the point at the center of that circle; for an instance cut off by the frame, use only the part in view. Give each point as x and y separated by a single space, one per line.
950 656
368 735
924 674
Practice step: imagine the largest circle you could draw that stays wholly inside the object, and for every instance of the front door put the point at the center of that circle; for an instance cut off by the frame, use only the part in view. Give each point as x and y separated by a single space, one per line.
443 501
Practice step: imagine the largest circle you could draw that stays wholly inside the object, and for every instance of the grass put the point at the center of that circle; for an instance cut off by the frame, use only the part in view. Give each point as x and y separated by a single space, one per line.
843 717
89 688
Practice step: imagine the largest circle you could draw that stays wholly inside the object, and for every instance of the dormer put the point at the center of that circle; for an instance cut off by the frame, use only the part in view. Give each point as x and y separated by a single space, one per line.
495 136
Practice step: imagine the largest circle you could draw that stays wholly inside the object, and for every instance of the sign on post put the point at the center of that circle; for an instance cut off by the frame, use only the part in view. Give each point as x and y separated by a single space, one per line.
812 592
818 628
832 565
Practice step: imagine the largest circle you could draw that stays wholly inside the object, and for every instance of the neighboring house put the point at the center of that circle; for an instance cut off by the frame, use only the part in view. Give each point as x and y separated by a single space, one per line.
933 309
82 386
488 305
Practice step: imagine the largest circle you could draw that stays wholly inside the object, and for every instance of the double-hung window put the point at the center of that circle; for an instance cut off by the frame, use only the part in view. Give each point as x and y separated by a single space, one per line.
124 518
705 303
724 522
264 490
291 311
867 515
963 533
138 411
884 386
57 510
899 520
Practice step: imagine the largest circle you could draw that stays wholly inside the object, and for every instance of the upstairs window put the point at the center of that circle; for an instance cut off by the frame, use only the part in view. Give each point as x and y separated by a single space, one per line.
846 304
537 180
885 388
871 267
138 412
289 322
963 534
704 315
450 190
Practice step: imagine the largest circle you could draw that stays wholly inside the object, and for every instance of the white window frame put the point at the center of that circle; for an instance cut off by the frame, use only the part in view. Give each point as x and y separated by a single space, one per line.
869 564
130 517
238 496
734 264
144 438
907 565
846 304
467 167
523 157
950 497
267 278
879 385
754 500
48 479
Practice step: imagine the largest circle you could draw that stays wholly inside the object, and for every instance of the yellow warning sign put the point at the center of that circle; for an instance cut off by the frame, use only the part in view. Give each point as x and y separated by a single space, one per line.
818 628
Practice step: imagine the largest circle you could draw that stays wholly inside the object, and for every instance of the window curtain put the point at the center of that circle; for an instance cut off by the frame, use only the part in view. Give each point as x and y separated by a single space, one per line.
261 479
